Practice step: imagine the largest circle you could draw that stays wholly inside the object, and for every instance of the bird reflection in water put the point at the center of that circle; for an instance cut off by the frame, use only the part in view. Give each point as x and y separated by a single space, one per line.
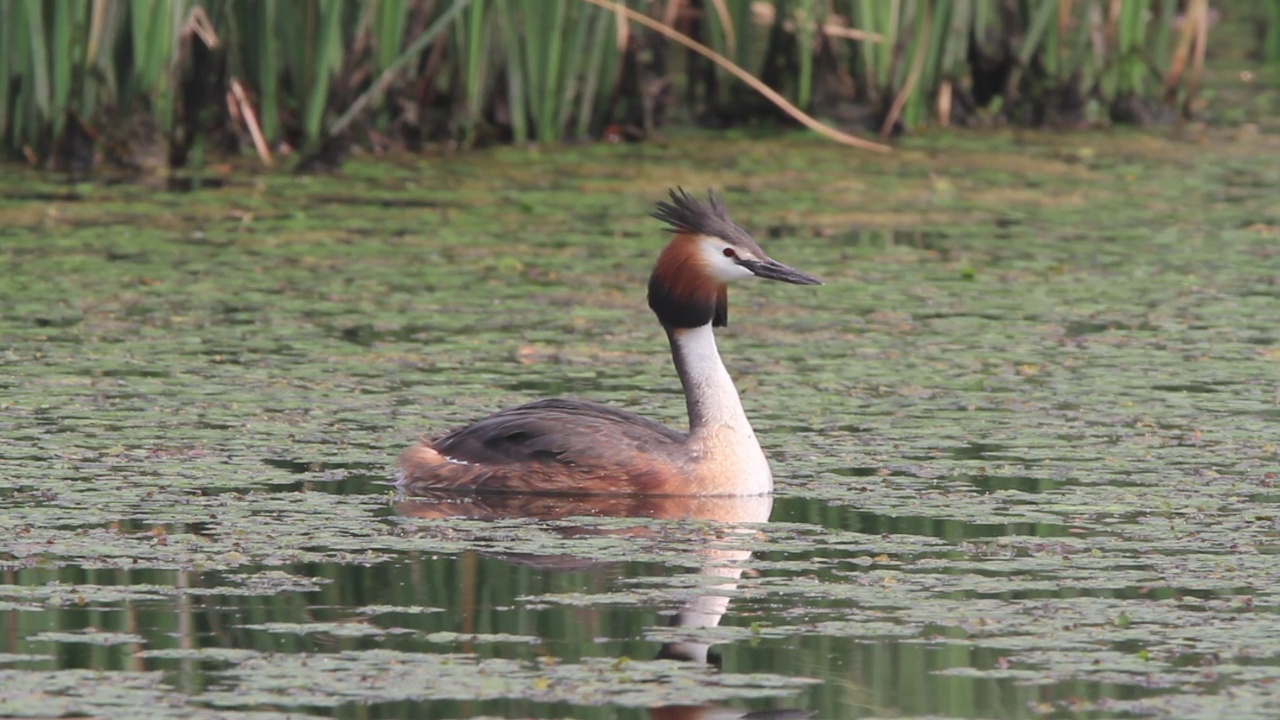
733 522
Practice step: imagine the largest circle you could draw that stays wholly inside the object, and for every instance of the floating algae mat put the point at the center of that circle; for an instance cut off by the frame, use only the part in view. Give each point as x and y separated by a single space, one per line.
1025 438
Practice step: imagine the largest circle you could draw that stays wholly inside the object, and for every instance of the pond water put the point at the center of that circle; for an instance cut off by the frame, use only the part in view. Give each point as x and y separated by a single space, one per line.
1025 439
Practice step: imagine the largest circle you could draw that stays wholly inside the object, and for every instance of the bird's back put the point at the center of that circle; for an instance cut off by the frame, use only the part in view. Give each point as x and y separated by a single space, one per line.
551 446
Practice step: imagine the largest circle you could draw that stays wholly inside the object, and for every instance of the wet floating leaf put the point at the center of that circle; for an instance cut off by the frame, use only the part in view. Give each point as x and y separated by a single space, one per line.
383 609
89 637
61 594
275 581
338 629
452 638
73 692
383 675
20 657
215 654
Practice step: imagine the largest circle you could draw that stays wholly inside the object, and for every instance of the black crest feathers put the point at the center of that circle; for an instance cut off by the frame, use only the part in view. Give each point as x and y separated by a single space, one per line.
686 214
681 291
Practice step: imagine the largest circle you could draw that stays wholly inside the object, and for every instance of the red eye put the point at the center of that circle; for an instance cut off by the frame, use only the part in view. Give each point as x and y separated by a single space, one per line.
728 252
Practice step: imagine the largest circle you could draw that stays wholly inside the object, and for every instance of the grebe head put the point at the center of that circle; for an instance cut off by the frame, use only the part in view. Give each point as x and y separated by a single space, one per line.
689 285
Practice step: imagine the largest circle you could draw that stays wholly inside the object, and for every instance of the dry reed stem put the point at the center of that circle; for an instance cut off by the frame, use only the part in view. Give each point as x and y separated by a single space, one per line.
1199 10
251 122
913 77
746 77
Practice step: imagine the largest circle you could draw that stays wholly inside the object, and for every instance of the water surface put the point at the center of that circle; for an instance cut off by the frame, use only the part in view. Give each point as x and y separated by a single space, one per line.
1025 438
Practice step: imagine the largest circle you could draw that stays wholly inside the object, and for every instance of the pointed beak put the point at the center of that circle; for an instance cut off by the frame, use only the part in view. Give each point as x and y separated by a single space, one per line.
773 270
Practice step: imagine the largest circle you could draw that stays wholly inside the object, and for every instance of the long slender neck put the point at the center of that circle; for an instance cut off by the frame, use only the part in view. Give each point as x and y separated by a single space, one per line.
708 390
725 456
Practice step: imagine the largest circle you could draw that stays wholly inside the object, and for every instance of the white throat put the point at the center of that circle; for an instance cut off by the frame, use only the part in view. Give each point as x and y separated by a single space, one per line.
718 426
712 398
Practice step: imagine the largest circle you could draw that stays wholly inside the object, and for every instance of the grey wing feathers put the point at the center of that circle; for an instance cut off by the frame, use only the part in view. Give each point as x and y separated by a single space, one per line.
558 431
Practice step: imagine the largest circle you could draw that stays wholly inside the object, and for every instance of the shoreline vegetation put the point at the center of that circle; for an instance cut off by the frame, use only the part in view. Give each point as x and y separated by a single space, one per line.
153 85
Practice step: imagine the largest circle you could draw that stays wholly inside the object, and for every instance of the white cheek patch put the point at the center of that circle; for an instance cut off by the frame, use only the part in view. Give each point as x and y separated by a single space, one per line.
722 269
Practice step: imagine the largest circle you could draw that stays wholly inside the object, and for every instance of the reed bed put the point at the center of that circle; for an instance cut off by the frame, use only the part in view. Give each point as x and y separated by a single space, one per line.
158 83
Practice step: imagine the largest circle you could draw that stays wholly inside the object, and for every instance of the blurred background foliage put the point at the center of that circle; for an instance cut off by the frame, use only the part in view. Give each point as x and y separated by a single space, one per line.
159 83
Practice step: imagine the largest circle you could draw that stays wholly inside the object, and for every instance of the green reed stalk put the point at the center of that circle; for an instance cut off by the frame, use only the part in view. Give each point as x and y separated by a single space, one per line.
544 23
865 17
510 24
63 57
385 22
326 56
548 128
1271 40
1130 32
955 23
415 49
388 26
1043 14
531 62
926 48
254 57
1081 66
600 63
304 61
570 84
987 30
269 67
807 20
475 65
1162 44
38 94
889 50
153 25
937 43
7 41
728 28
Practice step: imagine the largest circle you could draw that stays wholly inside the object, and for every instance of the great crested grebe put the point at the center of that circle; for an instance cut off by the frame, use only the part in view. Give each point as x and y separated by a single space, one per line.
577 447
